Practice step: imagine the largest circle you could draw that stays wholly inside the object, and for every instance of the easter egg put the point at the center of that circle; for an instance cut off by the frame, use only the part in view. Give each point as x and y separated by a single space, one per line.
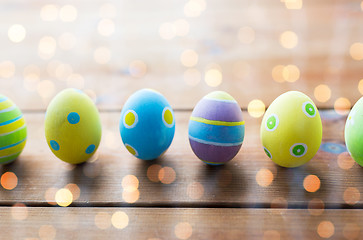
12 131
291 130
147 124
354 132
216 128
72 126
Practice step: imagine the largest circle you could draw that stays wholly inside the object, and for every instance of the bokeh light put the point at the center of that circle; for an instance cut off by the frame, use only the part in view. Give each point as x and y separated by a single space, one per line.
49 196
256 108
106 27
192 77
293 4
316 207
322 93
167 31
153 172
46 88
193 8
63 71
246 35
167 175
68 13
64 197
342 106
195 190
131 197
19 211
102 55
213 77
183 230
345 161
49 12
130 183
47 47
7 69
9 180
351 195
326 229
311 183
189 58
103 220
264 177
16 33
277 73
356 51
120 220
351 231
271 235
137 68
74 189
291 73
360 86
288 39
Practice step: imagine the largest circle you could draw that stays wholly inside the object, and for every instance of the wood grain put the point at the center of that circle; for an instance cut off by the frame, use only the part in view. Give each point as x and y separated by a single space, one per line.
186 181
181 223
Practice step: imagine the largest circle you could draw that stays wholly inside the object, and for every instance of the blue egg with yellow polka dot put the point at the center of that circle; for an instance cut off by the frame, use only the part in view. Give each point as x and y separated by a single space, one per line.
13 131
147 124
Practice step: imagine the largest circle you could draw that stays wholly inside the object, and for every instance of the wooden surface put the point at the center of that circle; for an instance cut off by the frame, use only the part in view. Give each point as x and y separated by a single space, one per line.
184 49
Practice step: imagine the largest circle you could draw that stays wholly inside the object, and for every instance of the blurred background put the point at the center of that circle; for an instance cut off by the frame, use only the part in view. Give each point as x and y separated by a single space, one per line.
253 49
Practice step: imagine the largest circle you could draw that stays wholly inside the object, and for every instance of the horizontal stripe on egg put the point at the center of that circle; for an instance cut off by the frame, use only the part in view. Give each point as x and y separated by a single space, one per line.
8 109
14 131
217 123
215 143
13 145
12 126
11 120
14 149
12 138
9 158
217 110
3 99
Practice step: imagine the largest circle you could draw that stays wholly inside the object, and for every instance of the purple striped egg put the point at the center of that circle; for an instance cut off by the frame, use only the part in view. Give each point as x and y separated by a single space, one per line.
216 128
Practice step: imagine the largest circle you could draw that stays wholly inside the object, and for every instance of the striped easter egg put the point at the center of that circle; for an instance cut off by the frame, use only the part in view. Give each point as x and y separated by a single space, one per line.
216 128
12 130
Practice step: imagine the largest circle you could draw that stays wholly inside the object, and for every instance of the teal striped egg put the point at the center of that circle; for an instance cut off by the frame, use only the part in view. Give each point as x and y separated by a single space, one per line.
12 130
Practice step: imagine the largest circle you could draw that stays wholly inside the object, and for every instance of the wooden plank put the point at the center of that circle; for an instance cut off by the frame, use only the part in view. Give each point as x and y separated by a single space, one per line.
251 179
170 223
325 29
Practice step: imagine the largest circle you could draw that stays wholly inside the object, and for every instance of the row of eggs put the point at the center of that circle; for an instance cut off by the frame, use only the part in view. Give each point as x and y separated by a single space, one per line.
291 129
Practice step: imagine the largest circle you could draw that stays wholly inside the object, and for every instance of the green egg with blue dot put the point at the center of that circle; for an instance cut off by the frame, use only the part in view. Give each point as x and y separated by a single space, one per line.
72 126
147 124
13 131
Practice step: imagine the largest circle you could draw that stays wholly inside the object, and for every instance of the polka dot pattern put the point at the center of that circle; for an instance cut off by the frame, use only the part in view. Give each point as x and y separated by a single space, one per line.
54 145
267 153
309 109
73 118
272 122
168 117
131 150
130 119
90 149
298 149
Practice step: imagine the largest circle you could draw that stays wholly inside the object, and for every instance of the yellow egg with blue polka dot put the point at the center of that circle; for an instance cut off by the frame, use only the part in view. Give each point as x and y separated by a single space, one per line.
147 124
291 130
72 126
13 132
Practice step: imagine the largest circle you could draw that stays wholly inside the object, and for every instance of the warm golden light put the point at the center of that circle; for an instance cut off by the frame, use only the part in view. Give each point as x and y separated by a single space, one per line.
7 69
322 93
167 175
326 229
49 12
271 235
246 35
9 180
342 106
106 27
360 86
189 58
289 39
316 207
137 68
74 189
63 197
277 73
192 76
345 161
293 4
256 108
68 13
351 231
47 232
291 73
130 183
183 230
213 77
131 197
49 196
264 177
311 183
120 220
167 31
47 47
193 8
195 190
153 172
103 220
351 195
102 55
19 211
356 51
16 33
